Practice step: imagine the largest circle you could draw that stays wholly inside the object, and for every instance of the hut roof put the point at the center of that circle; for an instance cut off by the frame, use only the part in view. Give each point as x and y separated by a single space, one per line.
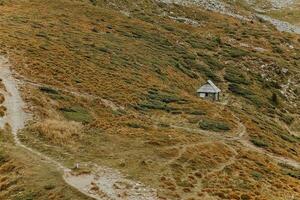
209 87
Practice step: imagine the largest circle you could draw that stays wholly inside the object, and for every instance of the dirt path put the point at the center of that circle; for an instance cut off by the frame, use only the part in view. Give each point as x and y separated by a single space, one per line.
106 102
101 183
241 136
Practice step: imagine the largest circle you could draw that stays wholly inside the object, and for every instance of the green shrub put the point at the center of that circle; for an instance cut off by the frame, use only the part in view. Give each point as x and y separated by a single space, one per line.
275 99
155 105
48 90
237 89
277 49
196 112
208 73
294 174
255 100
3 158
213 125
234 76
165 97
212 62
290 138
287 119
135 125
77 113
236 53
185 70
259 142
49 187
256 175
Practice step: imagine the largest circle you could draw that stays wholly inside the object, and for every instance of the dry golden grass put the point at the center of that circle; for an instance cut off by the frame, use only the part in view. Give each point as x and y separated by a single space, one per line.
2 98
58 131
76 46
2 111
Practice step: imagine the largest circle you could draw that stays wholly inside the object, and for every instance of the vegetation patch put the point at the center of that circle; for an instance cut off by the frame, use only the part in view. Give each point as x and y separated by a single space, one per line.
234 76
237 89
290 138
58 131
259 142
212 125
135 125
196 112
77 113
48 90
164 97
236 53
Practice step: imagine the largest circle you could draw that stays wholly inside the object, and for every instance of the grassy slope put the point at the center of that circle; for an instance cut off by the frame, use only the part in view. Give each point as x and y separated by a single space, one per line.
291 15
25 177
149 61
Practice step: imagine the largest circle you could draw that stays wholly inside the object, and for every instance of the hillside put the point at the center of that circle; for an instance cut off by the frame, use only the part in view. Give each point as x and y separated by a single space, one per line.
110 95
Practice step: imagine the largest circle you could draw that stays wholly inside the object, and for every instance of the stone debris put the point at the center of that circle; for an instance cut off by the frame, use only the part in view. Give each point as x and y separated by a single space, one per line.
281 25
212 5
186 21
109 183
276 4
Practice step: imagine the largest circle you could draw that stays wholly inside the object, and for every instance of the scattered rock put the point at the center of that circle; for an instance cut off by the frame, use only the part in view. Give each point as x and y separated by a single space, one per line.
281 25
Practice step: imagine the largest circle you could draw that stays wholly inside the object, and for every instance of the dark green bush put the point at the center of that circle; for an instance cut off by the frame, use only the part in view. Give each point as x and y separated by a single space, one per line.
76 113
236 53
237 89
287 119
256 175
258 142
135 125
212 62
213 125
290 138
234 76
196 112
208 73
275 99
48 90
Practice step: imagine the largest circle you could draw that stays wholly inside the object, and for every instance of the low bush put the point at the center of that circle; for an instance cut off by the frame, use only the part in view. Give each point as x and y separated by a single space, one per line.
212 62
287 119
236 53
77 114
256 175
135 125
237 89
258 142
48 90
234 76
196 112
208 73
290 138
213 125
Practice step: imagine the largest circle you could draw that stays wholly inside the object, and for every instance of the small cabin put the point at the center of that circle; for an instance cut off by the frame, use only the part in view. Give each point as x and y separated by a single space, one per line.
209 91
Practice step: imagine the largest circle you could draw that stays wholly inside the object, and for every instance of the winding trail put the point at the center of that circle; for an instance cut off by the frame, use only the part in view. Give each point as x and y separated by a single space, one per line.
242 138
101 183
105 183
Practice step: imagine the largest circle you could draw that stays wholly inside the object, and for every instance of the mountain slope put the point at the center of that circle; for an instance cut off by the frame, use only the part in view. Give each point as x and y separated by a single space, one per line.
126 72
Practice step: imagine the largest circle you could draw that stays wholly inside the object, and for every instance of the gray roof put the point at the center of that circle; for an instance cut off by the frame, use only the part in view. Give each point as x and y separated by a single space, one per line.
209 87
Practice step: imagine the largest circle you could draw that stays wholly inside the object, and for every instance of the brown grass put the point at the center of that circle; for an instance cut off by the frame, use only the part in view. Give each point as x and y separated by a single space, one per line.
122 61
2 111
58 131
